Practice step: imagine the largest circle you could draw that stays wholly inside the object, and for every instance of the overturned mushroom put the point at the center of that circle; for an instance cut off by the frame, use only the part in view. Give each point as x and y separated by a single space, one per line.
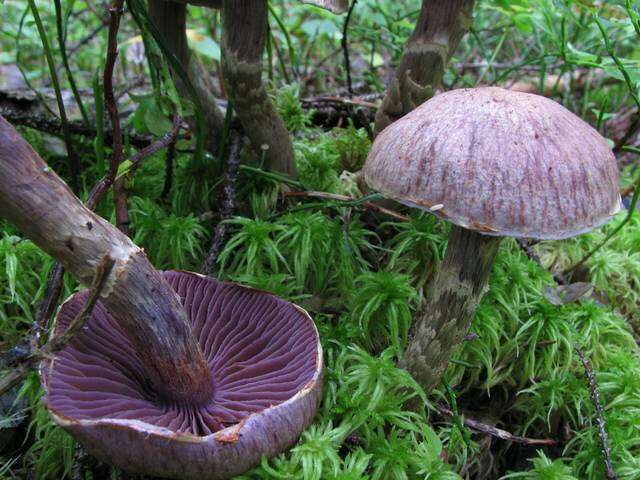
265 361
173 375
494 164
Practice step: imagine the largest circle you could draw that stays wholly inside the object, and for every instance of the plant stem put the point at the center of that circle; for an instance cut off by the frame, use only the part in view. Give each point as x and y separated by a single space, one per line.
74 165
65 61
345 46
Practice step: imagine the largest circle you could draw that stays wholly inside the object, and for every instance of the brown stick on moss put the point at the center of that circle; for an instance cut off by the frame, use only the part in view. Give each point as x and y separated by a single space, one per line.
44 209
171 20
455 296
440 27
244 36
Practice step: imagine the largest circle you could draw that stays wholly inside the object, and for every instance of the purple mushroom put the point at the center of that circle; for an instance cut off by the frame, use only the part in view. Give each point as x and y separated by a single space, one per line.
265 360
493 163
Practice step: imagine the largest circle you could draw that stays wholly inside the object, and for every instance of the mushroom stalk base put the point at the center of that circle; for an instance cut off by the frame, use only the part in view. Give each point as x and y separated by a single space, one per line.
455 295
244 35
171 20
44 209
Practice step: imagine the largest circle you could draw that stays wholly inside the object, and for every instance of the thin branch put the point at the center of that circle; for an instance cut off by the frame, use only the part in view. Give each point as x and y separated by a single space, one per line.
168 176
53 125
103 185
347 199
602 426
165 140
229 204
345 46
499 433
527 248
23 365
57 343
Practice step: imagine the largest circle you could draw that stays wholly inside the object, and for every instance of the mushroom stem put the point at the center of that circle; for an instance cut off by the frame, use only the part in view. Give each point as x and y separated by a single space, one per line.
171 20
245 29
44 209
455 294
440 27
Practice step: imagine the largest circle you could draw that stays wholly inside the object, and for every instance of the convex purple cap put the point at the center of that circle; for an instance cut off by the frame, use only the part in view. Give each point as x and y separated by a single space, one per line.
266 363
499 162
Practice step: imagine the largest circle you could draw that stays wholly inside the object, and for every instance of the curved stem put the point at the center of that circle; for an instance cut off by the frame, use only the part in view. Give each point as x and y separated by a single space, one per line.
453 299
440 27
244 36
42 207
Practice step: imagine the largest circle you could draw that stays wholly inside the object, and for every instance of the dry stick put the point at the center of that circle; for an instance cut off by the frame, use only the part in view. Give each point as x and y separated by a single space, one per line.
529 252
56 344
99 190
168 176
345 46
499 433
119 192
167 139
229 204
345 198
53 125
602 426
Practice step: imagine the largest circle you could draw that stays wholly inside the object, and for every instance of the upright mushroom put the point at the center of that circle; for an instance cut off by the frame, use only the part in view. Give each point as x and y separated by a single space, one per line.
493 163
244 36
173 375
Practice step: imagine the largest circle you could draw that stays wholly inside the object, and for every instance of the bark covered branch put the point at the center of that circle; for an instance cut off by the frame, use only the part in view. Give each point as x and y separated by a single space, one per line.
44 209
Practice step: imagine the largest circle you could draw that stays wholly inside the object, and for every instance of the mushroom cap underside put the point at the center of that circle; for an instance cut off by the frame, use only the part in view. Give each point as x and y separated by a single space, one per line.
266 363
499 162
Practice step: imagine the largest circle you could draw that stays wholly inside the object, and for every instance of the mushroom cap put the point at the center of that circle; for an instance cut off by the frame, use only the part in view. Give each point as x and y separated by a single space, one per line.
499 162
266 363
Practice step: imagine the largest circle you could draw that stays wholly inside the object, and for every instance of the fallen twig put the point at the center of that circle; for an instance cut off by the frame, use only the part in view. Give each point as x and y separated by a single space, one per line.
345 198
229 204
499 433
527 248
602 426
20 367
57 343
168 176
